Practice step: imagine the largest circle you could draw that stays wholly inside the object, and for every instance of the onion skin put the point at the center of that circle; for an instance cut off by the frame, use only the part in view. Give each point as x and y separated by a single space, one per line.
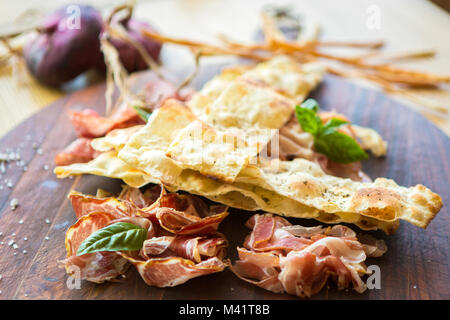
60 52
129 55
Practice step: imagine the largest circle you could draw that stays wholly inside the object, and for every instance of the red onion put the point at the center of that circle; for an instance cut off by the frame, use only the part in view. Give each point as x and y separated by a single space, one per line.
67 45
129 56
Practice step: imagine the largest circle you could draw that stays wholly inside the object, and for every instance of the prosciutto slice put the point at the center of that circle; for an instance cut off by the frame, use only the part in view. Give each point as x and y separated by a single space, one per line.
88 124
79 151
180 245
281 257
295 143
97 266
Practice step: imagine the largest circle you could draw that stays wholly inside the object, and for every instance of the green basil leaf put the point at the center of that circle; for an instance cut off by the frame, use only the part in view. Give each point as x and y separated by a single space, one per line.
334 123
339 147
120 236
308 119
143 114
311 104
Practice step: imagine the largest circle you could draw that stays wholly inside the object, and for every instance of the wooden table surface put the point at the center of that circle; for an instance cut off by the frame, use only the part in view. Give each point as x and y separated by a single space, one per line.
404 25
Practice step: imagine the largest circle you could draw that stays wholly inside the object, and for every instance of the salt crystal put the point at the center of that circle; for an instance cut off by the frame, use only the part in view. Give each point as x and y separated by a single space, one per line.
24 251
15 253
46 167
25 238
25 168
46 238
414 287
12 156
39 151
9 184
47 221
10 243
1 233
14 203
15 246
13 234
20 221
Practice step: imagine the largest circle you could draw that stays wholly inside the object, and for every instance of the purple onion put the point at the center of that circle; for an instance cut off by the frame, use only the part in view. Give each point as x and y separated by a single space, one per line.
67 45
129 55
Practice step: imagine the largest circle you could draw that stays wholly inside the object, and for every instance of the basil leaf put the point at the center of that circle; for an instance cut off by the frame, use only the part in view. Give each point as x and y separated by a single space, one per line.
143 114
120 236
339 147
308 120
311 104
334 123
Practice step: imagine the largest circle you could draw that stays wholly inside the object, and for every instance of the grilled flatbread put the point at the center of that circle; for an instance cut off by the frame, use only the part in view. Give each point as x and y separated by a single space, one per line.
209 148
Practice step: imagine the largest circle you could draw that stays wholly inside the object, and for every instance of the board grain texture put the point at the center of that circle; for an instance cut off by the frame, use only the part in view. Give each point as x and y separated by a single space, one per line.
416 265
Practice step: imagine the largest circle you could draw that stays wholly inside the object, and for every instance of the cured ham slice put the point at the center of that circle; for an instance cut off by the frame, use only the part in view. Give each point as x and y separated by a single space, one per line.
182 240
88 124
173 271
79 151
97 266
281 257
295 143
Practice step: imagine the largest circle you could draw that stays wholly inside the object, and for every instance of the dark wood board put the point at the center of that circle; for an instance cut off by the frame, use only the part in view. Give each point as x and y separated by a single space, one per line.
415 267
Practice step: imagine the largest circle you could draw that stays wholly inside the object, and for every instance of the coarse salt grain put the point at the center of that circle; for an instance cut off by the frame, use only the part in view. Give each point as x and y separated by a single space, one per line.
46 167
47 221
15 246
14 203
25 238
11 242
20 221
24 251
39 151
46 238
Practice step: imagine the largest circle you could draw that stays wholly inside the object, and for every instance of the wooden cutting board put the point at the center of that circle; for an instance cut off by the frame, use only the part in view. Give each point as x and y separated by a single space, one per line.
416 265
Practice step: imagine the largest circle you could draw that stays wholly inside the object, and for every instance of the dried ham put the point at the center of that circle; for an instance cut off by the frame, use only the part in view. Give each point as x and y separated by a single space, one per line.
281 257
79 151
88 124
295 143
97 266
182 239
